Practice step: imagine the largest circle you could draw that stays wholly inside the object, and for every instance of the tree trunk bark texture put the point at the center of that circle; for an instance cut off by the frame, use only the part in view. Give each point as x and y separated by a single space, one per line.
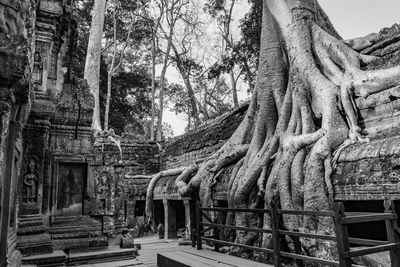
153 87
92 65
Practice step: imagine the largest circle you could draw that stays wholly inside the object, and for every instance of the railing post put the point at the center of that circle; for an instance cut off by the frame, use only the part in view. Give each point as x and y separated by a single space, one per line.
391 234
193 236
216 220
198 229
260 225
216 236
275 234
297 248
342 236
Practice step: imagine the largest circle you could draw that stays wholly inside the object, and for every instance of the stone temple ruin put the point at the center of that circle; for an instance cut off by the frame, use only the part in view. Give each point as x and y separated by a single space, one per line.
62 189
65 190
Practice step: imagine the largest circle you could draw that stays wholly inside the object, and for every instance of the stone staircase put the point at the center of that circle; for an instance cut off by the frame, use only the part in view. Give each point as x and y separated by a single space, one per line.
56 259
32 236
77 234
69 241
106 255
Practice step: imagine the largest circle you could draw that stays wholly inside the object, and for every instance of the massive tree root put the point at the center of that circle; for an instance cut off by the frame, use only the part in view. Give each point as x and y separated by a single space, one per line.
301 112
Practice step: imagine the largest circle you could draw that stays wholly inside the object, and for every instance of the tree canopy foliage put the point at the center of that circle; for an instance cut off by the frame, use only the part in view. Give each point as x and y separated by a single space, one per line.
205 84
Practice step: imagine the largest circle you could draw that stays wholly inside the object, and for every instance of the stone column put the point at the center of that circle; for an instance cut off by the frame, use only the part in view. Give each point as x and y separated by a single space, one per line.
188 229
36 160
14 94
166 224
169 219
6 155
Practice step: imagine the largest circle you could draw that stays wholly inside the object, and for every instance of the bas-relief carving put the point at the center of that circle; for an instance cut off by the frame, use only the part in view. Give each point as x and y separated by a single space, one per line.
37 75
30 185
43 50
121 193
103 185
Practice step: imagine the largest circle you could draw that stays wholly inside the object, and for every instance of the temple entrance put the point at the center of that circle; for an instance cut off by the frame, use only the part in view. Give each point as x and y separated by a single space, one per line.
180 218
71 189
158 212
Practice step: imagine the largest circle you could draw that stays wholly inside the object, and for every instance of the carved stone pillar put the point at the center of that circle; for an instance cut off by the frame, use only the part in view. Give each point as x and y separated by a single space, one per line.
14 96
169 219
166 220
32 233
188 230
35 160
6 174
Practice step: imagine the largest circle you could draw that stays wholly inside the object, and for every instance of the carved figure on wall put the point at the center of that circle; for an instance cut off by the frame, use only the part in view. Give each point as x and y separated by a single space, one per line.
103 188
30 183
37 74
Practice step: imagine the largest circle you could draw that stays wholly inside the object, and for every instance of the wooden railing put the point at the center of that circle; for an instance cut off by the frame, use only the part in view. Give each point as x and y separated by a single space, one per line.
278 231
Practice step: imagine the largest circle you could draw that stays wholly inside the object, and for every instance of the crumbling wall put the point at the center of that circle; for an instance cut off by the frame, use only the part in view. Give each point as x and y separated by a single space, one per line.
199 144
115 190
371 171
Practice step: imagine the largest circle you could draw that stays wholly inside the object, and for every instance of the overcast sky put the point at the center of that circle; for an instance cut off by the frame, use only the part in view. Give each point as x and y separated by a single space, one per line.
355 18
351 18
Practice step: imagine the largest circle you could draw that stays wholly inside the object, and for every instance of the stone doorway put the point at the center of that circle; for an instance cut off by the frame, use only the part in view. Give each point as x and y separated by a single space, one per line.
158 212
72 181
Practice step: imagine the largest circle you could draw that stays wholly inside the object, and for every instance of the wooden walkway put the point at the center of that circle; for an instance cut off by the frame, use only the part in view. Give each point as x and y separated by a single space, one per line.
151 246
191 257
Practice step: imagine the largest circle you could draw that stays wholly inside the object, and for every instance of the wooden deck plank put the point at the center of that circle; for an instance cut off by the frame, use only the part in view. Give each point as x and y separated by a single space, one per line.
193 258
151 246
229 259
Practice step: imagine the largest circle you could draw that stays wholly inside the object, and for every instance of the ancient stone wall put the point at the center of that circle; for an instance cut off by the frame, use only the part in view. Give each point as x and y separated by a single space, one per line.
115 191
370 171
16 23
199 144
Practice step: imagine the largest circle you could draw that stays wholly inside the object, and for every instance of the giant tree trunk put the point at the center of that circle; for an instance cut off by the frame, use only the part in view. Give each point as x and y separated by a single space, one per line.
193 111
162 81
234 90
92 65
154 50
161 93
283 148
153 87
111 70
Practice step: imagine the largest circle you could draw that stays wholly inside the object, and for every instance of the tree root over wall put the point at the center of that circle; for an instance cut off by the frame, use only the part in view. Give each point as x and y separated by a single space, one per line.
301 112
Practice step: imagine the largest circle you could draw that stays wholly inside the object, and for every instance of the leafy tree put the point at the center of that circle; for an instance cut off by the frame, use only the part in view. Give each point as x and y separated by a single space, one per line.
131 25
130 102
168 132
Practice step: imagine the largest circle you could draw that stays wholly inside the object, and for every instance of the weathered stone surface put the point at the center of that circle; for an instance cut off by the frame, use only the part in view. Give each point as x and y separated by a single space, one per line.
115 183
361 43
199 144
